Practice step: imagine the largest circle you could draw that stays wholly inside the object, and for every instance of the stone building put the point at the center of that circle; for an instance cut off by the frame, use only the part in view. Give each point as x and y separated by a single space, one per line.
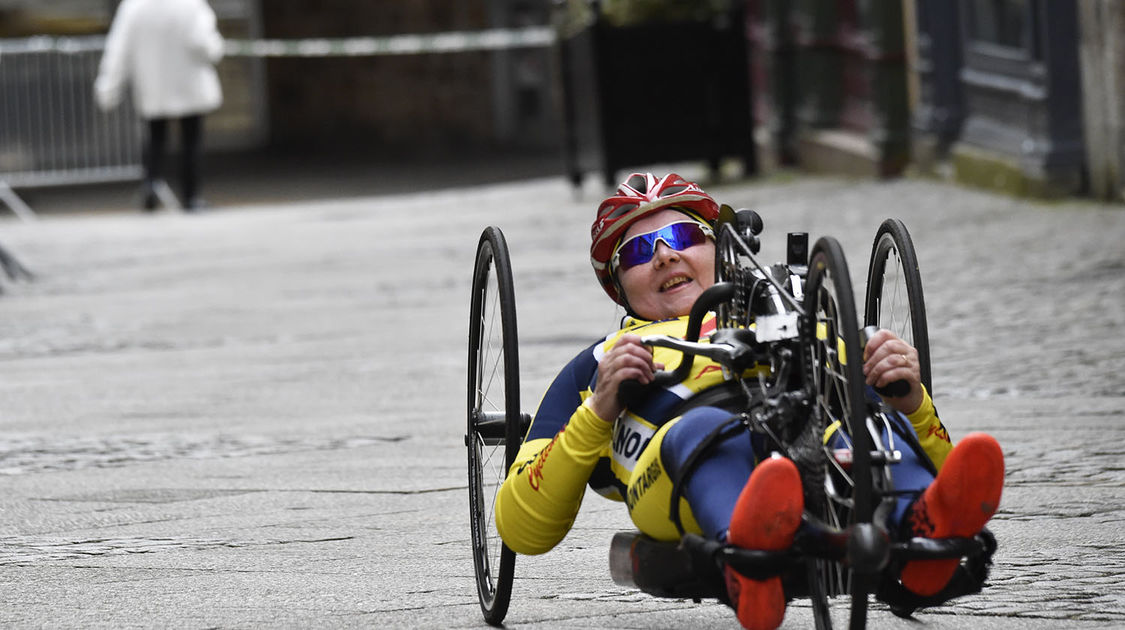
1022 95
387 103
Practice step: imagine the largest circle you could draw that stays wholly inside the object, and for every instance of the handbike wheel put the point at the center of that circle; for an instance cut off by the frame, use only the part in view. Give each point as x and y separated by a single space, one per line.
894 291
832 335
493 436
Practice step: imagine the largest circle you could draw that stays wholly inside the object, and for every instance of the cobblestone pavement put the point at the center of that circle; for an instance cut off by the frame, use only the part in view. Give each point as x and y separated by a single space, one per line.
255 416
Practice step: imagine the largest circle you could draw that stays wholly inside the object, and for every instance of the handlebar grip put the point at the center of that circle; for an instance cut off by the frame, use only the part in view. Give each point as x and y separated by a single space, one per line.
631 392
894 389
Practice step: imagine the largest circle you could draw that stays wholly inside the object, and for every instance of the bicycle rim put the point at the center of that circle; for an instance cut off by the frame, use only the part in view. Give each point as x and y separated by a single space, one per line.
830 323
493 417
894 291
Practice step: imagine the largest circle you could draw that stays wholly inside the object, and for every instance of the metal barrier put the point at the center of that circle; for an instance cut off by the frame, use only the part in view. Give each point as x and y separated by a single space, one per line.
51 131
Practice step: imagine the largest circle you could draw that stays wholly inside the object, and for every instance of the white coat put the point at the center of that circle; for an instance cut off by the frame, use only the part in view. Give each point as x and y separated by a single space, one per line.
167 51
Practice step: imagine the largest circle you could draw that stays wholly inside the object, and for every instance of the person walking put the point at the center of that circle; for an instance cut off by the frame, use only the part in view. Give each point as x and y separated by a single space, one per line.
167 51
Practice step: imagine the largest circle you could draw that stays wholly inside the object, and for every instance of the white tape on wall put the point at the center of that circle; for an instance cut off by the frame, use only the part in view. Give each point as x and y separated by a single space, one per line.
430 43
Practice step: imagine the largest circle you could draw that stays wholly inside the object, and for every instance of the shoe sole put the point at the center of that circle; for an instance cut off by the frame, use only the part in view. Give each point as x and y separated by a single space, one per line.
770 507
973 479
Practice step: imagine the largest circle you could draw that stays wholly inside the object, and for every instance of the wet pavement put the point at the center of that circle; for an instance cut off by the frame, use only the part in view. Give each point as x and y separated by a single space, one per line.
254 416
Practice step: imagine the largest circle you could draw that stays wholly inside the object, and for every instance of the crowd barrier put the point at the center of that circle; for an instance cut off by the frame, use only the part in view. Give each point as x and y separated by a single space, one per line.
52 133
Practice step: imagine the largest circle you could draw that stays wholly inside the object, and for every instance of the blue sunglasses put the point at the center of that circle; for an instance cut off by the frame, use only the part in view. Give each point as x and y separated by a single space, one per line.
640 249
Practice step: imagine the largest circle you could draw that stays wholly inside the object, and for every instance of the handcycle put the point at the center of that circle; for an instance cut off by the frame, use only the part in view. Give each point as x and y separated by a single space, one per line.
798 318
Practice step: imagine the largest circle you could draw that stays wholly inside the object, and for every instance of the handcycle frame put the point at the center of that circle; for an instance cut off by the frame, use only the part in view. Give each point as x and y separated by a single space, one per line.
799 318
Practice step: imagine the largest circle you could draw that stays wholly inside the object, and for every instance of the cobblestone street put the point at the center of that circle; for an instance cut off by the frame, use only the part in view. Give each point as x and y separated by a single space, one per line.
255 416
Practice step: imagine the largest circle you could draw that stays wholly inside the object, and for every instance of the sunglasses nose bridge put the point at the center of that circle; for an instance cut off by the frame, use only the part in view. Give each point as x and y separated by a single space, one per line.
663 251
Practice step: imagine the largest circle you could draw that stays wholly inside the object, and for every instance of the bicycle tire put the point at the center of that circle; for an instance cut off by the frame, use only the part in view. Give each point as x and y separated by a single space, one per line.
494 421
894 297
830 327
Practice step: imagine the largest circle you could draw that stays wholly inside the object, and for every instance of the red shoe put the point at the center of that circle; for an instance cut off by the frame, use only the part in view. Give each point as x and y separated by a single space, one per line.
765 517
959 502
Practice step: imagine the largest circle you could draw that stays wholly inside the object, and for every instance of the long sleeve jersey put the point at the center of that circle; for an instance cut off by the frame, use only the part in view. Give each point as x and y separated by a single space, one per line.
568 447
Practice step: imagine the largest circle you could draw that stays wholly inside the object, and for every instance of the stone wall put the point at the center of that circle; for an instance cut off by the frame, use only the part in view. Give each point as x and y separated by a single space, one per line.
1102 50
391 103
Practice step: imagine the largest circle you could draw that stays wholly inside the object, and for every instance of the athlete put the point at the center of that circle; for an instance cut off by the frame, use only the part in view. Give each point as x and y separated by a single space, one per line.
653 251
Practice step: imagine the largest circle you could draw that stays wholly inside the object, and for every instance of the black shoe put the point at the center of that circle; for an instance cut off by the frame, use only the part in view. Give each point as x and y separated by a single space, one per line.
148 197
195 205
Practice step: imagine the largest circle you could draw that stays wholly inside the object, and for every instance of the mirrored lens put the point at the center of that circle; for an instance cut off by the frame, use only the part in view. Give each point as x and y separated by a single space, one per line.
641 248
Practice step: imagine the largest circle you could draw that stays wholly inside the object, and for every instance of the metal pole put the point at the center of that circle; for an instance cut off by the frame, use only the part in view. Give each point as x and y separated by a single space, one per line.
13 201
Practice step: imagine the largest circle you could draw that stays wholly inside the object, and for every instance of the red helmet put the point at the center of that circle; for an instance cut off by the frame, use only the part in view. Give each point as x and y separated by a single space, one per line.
637 197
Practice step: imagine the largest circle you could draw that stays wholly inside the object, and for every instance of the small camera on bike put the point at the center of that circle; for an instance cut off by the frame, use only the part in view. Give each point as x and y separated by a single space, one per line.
797 249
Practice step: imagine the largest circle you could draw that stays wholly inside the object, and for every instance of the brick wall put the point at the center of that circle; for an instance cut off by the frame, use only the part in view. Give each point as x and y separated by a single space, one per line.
388 103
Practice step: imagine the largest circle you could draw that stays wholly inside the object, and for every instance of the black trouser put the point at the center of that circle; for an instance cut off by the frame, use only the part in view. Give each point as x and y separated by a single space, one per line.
191 136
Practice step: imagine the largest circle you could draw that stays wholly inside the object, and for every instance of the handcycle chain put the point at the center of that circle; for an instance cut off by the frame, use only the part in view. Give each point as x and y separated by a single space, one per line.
738 308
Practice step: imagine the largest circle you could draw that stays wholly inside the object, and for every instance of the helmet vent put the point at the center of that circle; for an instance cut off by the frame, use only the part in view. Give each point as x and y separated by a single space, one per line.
638 183
624 208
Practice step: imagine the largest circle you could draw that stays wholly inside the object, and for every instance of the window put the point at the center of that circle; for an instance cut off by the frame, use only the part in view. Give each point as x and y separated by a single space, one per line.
1001 22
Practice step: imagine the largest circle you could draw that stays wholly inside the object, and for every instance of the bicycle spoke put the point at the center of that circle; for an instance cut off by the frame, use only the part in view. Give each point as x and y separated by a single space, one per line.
490 474
492 360
495 369
897 295
898 302
491 459
496 372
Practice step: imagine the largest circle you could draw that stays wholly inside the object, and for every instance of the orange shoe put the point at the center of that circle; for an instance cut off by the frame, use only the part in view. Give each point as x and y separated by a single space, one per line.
766 517
959 502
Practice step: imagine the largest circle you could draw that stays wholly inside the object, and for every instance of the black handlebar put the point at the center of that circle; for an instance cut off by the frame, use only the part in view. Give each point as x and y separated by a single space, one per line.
895 389
632 391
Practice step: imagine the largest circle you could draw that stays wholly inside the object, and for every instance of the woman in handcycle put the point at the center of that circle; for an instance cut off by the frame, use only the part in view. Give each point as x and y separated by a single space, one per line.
653 251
